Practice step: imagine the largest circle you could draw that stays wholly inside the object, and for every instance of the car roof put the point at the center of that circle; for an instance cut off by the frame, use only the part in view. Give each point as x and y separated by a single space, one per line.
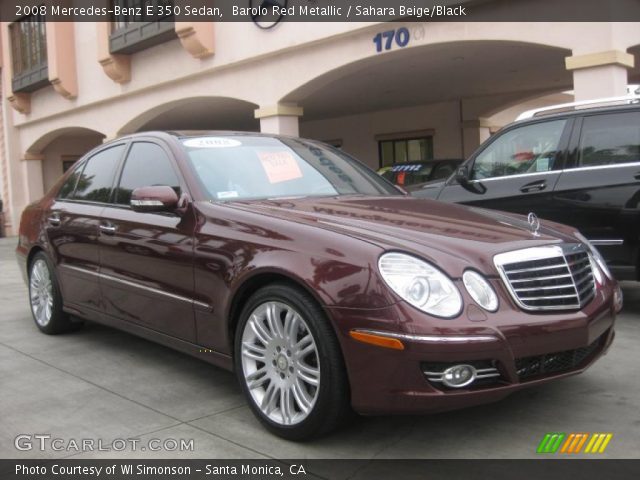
578 112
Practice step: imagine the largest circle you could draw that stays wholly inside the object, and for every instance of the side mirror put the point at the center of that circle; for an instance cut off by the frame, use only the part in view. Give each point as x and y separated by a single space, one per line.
154 199
462 175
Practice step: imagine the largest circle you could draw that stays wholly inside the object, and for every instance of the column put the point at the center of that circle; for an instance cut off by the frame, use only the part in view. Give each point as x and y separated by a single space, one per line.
279 119
600 75
32 177
474 132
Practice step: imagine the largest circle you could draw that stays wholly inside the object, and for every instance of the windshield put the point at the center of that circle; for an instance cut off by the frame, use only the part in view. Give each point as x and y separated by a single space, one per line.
245 167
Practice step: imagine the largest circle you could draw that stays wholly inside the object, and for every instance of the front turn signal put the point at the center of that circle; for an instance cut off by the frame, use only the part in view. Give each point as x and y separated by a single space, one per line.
377 340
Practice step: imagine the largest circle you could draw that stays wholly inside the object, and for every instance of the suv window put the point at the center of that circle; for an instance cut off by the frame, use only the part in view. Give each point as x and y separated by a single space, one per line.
610 139
527 149
147 165
95 181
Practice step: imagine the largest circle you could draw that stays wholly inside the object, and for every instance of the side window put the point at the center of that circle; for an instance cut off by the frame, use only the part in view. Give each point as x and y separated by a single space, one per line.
610 139
528 149
66 191
95 181
147 165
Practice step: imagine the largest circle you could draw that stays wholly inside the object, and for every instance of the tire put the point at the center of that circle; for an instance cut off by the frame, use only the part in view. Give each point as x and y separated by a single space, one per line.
292 372
45 298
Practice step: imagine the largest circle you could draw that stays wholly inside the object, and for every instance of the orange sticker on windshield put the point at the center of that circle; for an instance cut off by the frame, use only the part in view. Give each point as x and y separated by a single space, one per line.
280 166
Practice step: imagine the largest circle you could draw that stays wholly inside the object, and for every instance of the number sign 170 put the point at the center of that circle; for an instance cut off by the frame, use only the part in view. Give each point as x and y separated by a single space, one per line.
385 40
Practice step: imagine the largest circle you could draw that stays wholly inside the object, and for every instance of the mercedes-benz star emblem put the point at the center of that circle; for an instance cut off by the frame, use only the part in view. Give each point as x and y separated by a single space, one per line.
262 12
534 223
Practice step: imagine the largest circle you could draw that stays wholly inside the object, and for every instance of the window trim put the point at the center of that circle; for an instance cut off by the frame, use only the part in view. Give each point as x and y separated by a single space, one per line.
82 163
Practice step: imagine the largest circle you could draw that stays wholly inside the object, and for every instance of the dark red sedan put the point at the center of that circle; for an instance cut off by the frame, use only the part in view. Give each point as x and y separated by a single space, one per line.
323 286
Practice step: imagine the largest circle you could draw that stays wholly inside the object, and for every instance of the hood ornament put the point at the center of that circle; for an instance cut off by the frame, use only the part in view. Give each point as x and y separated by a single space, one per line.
534 224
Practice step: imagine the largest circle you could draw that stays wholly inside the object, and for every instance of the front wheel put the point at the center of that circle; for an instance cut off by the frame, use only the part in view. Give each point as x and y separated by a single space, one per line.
289 364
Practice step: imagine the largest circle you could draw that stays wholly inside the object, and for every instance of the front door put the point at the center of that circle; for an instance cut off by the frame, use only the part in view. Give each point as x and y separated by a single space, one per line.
147 258
517 171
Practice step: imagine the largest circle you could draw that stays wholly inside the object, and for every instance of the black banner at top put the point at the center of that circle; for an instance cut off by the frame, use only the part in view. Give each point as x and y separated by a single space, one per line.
271 12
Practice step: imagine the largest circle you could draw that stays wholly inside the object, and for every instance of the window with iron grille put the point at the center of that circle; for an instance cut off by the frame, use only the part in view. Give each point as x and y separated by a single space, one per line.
29 53
141 24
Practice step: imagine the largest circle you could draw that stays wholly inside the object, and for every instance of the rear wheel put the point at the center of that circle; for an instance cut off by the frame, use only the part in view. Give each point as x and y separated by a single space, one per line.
45 298
289 364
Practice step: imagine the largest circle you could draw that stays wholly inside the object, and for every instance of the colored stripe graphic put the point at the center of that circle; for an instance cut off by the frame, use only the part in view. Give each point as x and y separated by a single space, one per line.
573 443
598 443
550 443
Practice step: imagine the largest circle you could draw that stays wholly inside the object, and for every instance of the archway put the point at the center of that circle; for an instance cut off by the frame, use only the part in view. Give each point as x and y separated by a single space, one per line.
196 113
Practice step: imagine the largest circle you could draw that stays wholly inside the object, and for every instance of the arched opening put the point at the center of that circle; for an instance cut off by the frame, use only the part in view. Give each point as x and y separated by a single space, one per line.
437 92
60 149
196 113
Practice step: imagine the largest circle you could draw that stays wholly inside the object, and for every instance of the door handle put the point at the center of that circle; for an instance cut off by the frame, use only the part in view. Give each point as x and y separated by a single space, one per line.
534 187
54 220
108 228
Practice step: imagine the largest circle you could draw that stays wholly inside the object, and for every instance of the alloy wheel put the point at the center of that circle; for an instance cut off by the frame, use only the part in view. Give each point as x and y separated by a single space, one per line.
41 292
280 362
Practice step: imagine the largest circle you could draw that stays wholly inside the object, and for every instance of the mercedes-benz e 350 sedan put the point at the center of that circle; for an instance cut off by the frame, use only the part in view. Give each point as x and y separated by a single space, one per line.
323 286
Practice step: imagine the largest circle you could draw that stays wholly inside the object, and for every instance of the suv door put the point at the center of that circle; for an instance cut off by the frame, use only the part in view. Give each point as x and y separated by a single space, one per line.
72 227
599 191
516 171
147 258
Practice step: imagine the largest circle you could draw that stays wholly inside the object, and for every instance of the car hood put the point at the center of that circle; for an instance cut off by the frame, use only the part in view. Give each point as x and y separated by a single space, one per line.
450 235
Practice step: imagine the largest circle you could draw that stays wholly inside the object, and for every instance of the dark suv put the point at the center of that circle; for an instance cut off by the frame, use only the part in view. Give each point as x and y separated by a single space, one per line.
580 167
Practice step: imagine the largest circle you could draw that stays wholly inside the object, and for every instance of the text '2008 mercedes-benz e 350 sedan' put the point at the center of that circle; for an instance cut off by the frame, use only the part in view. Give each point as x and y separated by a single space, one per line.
321 284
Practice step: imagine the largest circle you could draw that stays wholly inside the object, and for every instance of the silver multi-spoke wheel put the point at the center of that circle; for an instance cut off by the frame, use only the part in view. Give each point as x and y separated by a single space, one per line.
280 363
41 292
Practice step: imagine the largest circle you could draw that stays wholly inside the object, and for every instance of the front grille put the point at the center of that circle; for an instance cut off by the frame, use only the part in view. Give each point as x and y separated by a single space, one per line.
548 278
559 362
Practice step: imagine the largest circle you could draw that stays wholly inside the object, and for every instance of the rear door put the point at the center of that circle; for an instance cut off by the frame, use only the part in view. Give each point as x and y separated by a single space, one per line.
72 226
147 258
517 170
599 191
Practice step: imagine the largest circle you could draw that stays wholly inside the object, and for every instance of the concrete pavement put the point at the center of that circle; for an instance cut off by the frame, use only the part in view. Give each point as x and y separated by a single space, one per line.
100 383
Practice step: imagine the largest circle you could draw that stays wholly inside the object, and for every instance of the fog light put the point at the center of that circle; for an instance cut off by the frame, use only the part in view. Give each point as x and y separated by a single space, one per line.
459 376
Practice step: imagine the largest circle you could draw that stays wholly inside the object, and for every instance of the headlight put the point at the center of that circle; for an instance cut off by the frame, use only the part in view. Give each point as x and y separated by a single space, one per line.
595 254
480 290
421 284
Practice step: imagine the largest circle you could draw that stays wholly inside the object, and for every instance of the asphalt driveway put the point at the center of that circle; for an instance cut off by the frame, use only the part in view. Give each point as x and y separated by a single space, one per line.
99 383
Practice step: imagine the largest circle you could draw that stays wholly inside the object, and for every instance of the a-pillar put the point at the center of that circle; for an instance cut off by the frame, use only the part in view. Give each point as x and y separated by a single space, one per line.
279 119
600 75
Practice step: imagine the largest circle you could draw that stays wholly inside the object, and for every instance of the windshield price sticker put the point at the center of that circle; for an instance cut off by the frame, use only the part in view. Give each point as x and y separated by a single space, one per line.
211 142
280 166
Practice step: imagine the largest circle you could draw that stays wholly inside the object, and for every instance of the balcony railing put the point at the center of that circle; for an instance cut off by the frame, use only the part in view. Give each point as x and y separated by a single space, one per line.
135 30
29 54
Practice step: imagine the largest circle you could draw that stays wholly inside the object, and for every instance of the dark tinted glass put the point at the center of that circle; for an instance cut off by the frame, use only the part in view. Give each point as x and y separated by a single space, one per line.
610 139
147 165
96 179
70 184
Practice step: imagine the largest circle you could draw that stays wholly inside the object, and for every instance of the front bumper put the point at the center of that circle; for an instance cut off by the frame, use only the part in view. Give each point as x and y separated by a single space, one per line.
526 349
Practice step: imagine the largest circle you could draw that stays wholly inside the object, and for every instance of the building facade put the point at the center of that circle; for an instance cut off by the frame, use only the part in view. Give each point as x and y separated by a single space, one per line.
438 90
